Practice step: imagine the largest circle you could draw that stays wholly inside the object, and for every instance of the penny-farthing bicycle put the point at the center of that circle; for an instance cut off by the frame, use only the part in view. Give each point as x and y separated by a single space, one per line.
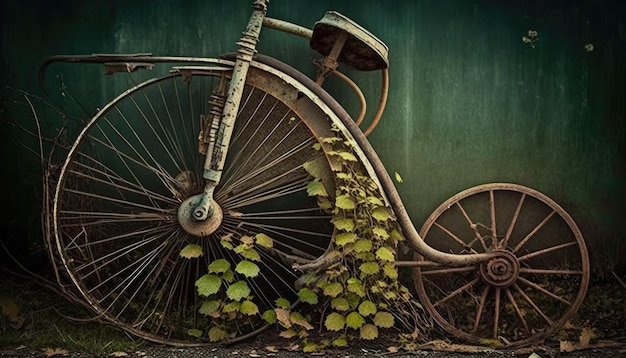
224 148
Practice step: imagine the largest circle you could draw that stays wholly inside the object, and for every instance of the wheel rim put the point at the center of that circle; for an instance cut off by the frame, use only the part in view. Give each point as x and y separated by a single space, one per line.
533 285
115 208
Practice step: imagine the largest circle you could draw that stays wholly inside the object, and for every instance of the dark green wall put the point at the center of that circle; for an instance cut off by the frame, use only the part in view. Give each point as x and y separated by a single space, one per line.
469 101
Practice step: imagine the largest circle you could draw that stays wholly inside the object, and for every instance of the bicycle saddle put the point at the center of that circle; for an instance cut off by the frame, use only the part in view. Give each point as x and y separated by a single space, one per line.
362 50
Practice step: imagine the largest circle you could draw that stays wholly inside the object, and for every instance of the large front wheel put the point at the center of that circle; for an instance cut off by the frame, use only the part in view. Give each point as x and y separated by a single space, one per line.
118 228
535 282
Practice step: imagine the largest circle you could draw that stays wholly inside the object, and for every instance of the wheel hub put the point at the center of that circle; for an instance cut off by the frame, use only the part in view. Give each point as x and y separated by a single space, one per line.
196 227
502 270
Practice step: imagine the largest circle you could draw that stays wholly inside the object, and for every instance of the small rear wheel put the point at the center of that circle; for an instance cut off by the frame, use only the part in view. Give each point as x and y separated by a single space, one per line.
536 281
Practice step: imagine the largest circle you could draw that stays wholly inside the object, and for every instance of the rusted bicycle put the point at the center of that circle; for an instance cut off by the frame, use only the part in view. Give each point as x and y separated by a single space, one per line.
217 147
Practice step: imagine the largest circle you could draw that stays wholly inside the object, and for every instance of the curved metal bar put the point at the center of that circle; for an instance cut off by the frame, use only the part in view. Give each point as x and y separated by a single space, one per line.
358 93
119 59
388 188
382 103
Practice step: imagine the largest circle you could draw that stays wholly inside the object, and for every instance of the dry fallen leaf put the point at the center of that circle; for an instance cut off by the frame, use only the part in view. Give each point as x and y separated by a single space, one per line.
566 346
586 336
51 352
271 349
392 349
118 354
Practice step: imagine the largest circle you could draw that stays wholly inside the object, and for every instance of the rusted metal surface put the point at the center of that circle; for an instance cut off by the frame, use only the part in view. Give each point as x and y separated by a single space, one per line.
126 67
362 50
287 27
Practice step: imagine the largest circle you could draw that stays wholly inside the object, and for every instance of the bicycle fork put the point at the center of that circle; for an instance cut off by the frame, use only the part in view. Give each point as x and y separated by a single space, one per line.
200 215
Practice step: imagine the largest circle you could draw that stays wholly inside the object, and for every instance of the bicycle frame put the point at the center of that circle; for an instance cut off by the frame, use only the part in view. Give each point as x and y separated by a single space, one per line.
201 211
200 215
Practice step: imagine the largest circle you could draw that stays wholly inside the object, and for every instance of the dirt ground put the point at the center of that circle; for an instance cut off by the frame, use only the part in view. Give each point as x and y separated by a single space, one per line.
262 347
597 330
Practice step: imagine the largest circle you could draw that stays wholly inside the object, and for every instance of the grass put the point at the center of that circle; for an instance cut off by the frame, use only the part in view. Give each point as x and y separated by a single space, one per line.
39 318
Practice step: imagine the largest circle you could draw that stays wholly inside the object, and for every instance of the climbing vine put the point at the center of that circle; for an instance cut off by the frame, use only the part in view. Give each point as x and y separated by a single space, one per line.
351 292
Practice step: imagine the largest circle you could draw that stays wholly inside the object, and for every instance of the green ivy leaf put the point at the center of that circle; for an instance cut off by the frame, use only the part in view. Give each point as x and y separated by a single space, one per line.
345 224
219 266
356 286
369 268
396 235
349 157
367 308
340 304
247 268
344 202
315 168
333 289
331 140
390 295
353 299
238 290
208 284
307 295
316 188
209 307
217 334
366 256
228 276
264 241
381 214
368 332
231 307
310 347
317 146
250 254
340 342
191 251
390 271
269 316
385 254
375 201
282 303
345 238
380 232
384 319
248 308
334 322
194 332
227 244
362 245
355 320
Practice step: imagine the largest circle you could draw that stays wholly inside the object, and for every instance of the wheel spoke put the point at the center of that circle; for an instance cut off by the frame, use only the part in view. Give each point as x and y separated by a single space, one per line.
518 312
533 304
472 226
456 292
466 246
545 251
533 232
481 307
496 312
544 291
535 245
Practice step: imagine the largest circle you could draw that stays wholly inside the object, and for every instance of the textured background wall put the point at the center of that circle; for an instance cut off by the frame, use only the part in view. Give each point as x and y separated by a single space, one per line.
469 101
